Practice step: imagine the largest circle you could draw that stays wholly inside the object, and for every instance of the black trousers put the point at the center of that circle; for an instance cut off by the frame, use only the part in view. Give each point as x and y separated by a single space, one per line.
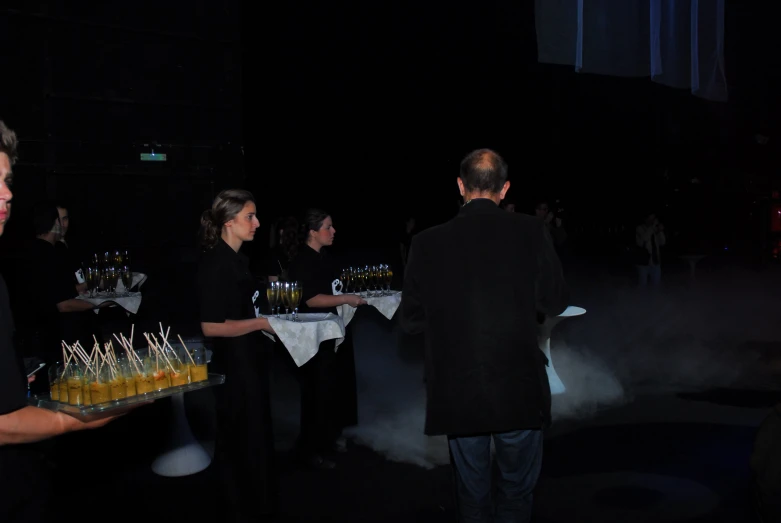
329 400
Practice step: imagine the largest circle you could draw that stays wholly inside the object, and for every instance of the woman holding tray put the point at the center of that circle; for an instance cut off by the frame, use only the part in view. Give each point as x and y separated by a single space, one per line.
328 396
228 298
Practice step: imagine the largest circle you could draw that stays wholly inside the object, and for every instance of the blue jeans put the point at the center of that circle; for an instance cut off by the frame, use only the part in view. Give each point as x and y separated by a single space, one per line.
519 458
649 272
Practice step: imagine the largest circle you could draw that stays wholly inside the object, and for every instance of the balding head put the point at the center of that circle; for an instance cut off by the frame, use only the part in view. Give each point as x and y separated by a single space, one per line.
483 175
483 171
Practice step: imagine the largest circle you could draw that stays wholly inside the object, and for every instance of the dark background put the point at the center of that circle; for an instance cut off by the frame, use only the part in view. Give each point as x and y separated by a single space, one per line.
364 109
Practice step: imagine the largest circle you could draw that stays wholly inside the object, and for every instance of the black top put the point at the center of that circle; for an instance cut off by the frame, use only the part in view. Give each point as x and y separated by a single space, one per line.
473 286
50 278
314 271
227 291
13 384
226 288
51 283
69 260
22 467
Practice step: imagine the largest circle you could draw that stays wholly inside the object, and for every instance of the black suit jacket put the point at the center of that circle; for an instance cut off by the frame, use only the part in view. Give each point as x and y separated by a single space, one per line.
473 287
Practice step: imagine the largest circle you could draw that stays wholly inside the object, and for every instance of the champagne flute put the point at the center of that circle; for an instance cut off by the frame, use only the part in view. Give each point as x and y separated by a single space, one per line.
367 280
295 298
388 278
364 282
378 279
284 292
383 279
115 278
371 272
127 278
92 279
272 294
359 281
108 278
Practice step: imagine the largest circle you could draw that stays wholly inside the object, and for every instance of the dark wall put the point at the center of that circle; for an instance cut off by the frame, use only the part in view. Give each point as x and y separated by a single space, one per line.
364 110
89 86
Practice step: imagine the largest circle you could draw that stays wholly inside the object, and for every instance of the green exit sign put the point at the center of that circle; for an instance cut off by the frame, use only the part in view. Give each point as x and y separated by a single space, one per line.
153 157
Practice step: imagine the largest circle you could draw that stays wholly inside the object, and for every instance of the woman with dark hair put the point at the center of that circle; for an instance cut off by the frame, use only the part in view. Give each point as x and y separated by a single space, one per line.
284 251
328 397
229 303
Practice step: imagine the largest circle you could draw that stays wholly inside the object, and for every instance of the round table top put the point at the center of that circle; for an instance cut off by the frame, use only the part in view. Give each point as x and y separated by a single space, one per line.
571 311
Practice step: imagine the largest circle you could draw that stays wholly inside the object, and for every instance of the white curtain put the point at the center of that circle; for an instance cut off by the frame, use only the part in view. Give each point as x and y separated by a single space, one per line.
679 43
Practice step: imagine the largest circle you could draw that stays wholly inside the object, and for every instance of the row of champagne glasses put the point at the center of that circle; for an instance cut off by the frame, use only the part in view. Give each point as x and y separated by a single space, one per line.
370 281
286 294
108 268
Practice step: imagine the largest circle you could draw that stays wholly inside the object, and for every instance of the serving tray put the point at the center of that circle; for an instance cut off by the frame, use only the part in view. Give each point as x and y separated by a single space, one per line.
116 407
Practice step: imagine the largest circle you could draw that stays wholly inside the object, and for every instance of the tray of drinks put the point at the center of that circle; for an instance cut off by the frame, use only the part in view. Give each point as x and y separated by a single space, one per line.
108 408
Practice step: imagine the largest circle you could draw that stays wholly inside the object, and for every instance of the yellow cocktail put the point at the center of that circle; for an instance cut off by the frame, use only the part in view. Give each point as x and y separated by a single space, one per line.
199 373
99 392
160 380
117 388
75 391
144 383
54 390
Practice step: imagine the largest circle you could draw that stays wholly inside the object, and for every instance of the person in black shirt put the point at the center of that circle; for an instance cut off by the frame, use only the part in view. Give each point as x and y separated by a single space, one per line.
25 476
57 313
229 302
284 252
328 397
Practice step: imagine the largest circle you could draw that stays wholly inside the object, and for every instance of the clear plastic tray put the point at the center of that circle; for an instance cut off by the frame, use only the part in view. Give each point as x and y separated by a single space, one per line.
116 407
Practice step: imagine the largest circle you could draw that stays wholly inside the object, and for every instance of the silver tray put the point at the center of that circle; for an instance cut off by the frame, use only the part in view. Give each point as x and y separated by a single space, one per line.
116 407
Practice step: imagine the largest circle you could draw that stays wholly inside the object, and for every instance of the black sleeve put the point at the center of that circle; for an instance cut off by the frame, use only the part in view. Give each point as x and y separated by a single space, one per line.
551 290
64 285
212 293
51 284
13 388
69 260
12 391
412 317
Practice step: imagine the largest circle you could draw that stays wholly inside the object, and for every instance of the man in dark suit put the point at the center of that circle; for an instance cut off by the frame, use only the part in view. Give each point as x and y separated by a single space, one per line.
473 287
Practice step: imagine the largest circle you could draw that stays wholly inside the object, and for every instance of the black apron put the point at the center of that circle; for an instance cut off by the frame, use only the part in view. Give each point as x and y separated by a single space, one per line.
244 451
329 400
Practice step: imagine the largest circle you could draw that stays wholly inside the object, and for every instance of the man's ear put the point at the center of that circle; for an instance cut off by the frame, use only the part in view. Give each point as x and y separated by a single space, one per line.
504 190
